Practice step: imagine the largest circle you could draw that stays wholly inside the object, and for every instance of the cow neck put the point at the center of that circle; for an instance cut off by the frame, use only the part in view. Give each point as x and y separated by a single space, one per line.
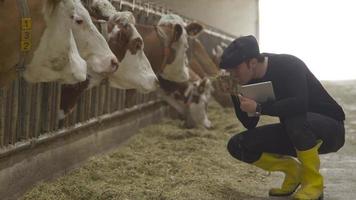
182 91
167 46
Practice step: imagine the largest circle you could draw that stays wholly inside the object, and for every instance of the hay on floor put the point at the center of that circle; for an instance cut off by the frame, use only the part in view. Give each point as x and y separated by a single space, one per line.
164 161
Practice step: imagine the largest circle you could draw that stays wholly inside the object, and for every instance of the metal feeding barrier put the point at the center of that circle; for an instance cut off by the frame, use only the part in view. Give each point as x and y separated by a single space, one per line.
29 112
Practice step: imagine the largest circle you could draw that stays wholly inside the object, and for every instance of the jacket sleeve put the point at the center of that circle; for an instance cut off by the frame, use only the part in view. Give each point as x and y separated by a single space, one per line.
247 122
296 101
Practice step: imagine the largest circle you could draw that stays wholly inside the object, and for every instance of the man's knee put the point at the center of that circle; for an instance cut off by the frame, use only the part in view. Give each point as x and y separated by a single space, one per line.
238 150
234 146
332 145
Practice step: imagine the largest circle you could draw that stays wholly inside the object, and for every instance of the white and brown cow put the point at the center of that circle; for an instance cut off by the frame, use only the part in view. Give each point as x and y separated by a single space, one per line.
71 47
166 47
134 70
207 66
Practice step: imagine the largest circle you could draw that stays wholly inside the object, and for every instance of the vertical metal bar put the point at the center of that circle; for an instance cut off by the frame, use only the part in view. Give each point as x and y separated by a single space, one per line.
51 99
44 108
123 99
27 110
8 108
96 101
32 111
118 100
58 104
89 99
14 111
2 115
21 107
75 116
38 106
53 107
49 107
84 111
86 105
101 99
107 99
80 114
113 99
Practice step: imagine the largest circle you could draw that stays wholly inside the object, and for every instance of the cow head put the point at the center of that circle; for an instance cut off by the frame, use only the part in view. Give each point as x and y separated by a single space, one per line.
198 104
57 57
70 38
135 70
176 35
92 45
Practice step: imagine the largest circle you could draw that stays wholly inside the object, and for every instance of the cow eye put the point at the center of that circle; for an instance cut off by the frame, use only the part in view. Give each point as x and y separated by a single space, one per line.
79 21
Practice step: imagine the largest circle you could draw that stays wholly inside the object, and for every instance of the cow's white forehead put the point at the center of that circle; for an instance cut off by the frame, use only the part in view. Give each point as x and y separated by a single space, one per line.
125 17
80 9
171 19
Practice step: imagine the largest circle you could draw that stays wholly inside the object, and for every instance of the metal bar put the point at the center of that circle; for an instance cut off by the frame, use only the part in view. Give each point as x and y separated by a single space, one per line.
60 133
14 111
32 109
58 104
107 99
101 99
89 106
118 100
80 109
21 107
27 110
96 101
38 106
113 100
2 115
45 108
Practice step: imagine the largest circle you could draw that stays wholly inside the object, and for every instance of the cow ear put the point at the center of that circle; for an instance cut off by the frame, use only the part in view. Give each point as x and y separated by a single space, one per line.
193 29
178 31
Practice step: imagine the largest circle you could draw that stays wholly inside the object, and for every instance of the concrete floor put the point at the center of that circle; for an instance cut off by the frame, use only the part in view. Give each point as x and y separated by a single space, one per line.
339 169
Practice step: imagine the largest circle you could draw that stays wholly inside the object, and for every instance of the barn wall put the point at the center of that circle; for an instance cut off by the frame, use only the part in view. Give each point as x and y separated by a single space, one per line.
236 17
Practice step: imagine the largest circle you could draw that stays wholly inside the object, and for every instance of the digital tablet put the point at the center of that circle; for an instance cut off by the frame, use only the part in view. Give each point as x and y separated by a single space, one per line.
260 92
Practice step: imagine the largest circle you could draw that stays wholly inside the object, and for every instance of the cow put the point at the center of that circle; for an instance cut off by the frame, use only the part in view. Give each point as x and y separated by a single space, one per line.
206 66
166 48
71 47
135 71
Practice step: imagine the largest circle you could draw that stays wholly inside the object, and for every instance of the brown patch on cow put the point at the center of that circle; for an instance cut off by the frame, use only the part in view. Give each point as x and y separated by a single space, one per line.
154 46
119 43
171 86
194 29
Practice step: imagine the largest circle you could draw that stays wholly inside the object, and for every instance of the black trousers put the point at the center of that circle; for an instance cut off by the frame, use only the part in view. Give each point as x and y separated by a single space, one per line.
299 132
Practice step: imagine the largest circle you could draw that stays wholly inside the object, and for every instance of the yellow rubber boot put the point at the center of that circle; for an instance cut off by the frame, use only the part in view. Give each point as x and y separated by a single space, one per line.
312 181
286 164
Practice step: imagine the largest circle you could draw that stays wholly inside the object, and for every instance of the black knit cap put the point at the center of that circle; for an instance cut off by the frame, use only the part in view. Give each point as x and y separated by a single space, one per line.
240 50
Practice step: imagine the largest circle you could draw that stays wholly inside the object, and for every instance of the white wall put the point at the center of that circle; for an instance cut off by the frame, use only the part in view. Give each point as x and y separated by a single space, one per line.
237 17
320 32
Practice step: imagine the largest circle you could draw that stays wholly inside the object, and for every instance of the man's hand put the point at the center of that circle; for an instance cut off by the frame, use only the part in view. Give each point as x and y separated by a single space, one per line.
247 105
